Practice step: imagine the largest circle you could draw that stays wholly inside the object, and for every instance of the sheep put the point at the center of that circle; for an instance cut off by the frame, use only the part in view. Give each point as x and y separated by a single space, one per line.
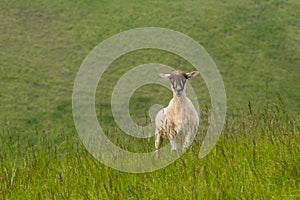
179 120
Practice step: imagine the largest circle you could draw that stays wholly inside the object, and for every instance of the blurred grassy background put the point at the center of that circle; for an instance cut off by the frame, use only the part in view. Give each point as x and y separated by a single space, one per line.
255 44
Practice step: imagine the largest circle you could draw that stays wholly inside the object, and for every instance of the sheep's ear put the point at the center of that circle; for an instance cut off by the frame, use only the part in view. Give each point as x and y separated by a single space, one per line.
192 74
165 76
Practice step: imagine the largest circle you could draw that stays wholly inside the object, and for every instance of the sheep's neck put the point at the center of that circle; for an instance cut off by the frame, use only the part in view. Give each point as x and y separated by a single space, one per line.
176 110
178 101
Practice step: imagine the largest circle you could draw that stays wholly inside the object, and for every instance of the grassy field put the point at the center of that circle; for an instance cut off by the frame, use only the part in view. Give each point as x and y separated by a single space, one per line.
257 157
255 44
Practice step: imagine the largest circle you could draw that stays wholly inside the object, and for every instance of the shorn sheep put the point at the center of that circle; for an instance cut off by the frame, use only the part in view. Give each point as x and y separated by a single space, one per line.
179 120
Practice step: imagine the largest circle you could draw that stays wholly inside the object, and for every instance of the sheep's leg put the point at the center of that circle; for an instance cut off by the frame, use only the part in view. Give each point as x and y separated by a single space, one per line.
174 145
158 140
174 141
187 141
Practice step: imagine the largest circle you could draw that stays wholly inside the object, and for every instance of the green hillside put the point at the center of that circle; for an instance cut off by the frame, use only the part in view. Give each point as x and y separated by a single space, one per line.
254 44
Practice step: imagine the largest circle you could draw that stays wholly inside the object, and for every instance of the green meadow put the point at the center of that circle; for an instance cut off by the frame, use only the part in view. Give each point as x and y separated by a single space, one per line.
256 46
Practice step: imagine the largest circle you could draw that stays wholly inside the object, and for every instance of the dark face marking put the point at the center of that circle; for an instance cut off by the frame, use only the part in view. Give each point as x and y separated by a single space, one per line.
178 80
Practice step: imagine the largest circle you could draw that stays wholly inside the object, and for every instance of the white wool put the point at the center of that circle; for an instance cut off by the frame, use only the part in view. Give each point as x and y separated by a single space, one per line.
178 122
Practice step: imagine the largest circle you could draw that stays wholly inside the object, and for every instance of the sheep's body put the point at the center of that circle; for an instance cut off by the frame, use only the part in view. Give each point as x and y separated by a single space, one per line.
179 120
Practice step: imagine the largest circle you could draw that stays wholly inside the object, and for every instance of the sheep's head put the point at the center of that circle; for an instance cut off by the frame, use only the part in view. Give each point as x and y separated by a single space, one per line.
178 79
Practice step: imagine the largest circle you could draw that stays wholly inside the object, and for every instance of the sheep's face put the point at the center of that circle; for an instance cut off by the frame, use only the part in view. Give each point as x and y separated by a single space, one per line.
178 83
178 79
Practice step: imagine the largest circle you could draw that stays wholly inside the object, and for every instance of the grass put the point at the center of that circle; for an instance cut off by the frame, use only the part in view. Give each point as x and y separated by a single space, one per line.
256 158
255 45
